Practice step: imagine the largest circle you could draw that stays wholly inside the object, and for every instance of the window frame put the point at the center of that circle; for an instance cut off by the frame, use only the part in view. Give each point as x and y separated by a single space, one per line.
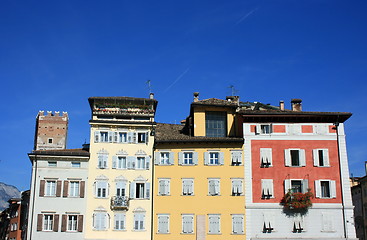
319 189
48 222
214 183
160 228
187 225
289 159
316 157
186 193
239 187
267 186
101 193
216 124
74 193
74 223
50 188
164 186
214 228
234 227
119 223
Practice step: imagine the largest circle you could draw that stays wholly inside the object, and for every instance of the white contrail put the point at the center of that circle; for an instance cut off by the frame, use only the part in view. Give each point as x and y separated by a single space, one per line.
245 16
178 78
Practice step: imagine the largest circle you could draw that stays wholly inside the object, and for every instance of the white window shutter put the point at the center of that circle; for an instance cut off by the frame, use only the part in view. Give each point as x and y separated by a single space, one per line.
157 157
195 158
105 160
332 189
287 157
305 185
318 188
110 136
171 158
147 190
217 186
147 137
147 162
114 161
326 158
271 187
257 129
221 158
302 157
206 158
129 137
211 187
115 137
315 154
168 187
131 162
134 137
132 190
161 187
96 136
180 158
287 185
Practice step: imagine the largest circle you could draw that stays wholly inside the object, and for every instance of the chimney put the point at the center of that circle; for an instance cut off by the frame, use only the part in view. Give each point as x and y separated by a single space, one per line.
196 96
151 95
296 104
281 105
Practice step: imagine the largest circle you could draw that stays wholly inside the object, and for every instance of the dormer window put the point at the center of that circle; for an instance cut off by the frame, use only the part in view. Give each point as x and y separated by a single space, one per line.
216 124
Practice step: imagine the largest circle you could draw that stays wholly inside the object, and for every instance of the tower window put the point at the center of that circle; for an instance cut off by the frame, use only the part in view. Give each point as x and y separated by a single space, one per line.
50 140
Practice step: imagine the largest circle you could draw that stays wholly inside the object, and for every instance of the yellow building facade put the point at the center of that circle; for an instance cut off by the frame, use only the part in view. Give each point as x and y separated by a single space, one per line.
120 173
199 175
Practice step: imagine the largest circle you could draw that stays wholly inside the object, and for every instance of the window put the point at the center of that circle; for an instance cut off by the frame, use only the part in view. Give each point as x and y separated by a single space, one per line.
296 185
187 223
269 222
122 137
121 162
214 187
237 188
48 222
140 163
188 186
267 188
50 140
143 137
214 158
120 219
139 190
266 157
163 223
325 188
75 164
215 124
50 188
74 190
164 158
236 158
72 223
139 219
214 223
295 157
164 187
298 224
101 189
188 158
321 158
102 159
237 224
266 128
104 136
100 221
121 188
52 164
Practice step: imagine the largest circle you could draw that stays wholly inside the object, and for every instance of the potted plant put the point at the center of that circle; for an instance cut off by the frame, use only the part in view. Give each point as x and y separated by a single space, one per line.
297 200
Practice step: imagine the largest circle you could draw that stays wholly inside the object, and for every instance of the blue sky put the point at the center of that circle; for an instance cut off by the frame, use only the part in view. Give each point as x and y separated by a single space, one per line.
56 54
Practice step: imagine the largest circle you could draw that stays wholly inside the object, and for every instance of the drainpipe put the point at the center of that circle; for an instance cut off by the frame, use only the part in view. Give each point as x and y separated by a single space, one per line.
33 199
336 124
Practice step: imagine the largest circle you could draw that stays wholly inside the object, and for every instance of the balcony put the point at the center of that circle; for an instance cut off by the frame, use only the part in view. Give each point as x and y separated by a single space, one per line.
119 203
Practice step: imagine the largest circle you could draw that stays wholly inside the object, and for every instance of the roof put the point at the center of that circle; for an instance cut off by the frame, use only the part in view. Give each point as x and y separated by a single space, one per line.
175 133
62 152
122 100
293 116
216 102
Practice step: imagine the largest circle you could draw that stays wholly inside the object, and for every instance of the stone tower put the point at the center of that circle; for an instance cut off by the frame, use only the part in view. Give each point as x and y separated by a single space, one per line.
51 130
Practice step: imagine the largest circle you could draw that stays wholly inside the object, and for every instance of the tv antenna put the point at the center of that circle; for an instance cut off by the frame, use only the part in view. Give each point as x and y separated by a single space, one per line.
149 86
233 90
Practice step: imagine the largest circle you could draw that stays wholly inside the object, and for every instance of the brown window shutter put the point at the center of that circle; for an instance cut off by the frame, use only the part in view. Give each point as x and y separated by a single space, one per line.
56 222
80 223
66 189
42 188
82 189
39 222
58 189
63 222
